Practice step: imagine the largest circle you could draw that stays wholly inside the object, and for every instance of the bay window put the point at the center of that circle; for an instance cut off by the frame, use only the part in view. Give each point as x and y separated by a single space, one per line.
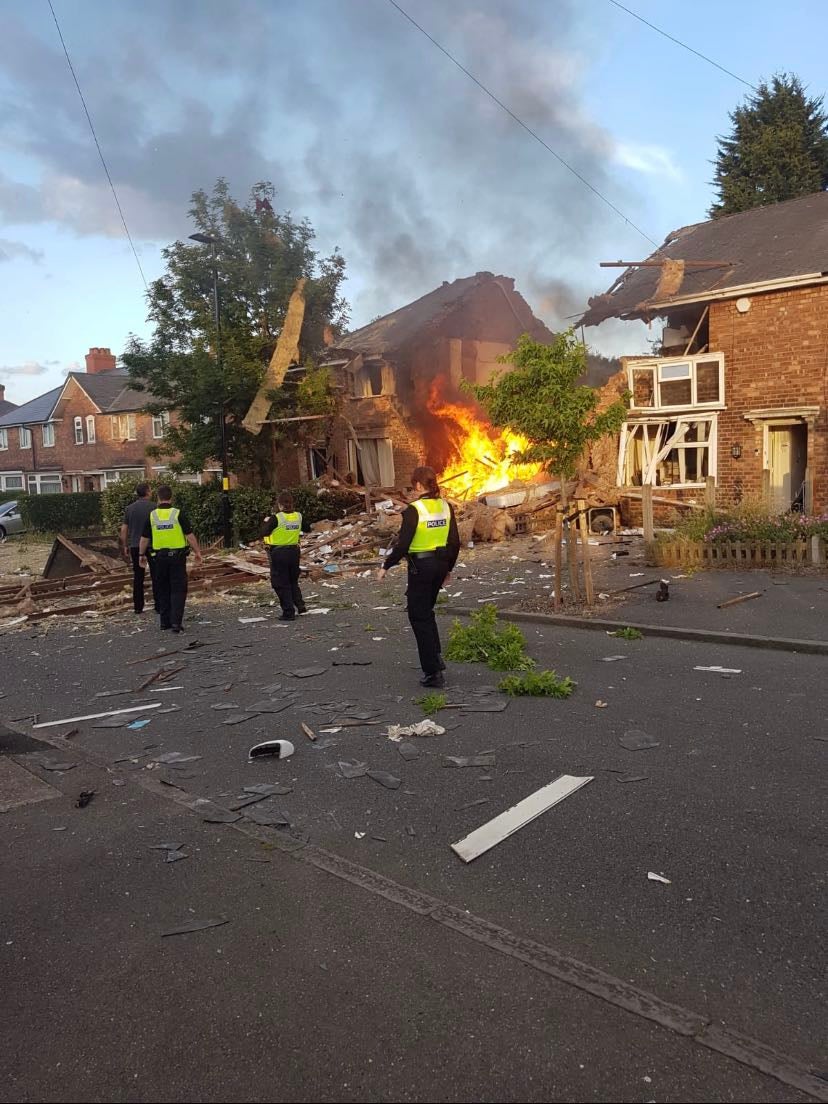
672 452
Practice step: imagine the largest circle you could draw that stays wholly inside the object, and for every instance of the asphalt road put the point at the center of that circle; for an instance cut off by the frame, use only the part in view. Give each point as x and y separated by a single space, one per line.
729 812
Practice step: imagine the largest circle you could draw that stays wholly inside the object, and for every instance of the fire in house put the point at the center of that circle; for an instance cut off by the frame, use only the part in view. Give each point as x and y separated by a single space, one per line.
402 404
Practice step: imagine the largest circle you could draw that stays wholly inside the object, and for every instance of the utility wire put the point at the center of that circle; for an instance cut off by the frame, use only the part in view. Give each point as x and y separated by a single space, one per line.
97 144
520 122
683 45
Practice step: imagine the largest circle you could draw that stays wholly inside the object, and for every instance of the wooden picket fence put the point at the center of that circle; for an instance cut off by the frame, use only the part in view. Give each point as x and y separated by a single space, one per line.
685 553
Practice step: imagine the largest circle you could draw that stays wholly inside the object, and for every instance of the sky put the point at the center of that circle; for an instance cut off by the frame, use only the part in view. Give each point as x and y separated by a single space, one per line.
368 130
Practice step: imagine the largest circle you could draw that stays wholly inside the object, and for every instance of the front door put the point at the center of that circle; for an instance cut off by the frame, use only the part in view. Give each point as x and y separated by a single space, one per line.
787 460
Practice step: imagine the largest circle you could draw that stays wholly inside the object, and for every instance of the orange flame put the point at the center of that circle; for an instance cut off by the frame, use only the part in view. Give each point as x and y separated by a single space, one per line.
483 458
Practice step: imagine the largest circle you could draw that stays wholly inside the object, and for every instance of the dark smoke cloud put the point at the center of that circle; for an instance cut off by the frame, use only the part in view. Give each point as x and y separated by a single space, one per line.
359 121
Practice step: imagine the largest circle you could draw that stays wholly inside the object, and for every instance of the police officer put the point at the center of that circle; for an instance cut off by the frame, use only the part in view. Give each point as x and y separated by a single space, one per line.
430 542
169 536
281 532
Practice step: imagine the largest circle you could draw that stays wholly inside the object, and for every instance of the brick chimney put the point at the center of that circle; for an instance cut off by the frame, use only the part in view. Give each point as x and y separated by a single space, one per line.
100 360
2 391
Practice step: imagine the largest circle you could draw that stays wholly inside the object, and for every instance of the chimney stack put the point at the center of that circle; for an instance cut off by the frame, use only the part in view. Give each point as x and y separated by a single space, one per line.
2 391
99 360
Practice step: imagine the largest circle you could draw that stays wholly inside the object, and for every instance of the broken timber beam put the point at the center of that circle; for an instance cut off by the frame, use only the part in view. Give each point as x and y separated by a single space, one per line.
286 351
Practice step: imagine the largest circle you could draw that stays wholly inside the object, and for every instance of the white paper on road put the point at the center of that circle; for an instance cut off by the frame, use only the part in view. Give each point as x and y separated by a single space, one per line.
721 670
493 831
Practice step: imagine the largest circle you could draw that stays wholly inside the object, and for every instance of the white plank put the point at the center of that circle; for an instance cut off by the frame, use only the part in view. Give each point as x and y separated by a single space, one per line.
493 831
95 716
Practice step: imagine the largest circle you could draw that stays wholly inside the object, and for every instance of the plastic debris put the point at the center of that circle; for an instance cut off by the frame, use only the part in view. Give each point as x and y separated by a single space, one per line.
196 926
468 760
352 769
421 728
634 739
653 877
721 670
390 781
276 749
142 723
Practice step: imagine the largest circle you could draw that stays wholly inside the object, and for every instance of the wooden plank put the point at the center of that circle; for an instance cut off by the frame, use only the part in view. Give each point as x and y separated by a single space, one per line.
96 716
558 553
647 513
286 351
494 831
583 526
710 492
739 598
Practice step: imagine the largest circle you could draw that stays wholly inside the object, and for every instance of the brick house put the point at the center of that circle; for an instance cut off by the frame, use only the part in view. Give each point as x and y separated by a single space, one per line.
393 374
82 436
739 389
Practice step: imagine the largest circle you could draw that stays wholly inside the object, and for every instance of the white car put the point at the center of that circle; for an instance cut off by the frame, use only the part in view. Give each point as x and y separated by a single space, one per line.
10 519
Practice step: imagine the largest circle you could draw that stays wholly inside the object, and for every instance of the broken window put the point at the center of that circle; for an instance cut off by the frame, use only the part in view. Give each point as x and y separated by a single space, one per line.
317 461
672 452
371 378
372 461
673 382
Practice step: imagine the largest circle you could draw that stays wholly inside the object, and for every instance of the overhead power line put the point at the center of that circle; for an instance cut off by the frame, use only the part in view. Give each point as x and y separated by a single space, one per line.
683 45
534 134
97 144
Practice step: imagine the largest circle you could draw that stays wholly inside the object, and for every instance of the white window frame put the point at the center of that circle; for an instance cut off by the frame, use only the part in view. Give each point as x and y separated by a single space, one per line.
24 436
115 475
90 429
659 366
78 426
35 481
6 476
658 446
4 440
159 425
47 434
124 427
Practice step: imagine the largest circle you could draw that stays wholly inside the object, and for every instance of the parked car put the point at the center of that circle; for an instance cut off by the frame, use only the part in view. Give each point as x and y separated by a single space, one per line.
10 519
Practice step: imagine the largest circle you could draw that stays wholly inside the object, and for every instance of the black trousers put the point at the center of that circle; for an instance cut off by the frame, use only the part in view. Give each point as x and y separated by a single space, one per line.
284 578
138 576
426 575
170 581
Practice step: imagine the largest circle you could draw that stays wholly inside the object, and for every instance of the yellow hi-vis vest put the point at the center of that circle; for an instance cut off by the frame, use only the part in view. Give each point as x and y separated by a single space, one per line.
166 529
287 532
434 515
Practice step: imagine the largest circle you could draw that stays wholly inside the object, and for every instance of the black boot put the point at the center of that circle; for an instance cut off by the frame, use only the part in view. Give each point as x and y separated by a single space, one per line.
436 681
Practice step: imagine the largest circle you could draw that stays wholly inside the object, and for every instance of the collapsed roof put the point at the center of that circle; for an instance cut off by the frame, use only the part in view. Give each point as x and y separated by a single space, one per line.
782 242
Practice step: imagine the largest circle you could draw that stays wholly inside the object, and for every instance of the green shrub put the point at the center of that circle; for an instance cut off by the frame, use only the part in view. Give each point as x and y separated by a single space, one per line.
9 496
483 641
537 684
61 513
432 703
628 633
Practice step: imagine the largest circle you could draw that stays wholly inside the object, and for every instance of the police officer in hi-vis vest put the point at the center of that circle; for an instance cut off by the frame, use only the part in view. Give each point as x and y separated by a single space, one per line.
281 532
430 543
169 537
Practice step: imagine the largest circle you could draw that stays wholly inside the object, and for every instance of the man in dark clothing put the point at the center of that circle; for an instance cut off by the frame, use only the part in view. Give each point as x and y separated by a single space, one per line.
430 542
170 535
135 520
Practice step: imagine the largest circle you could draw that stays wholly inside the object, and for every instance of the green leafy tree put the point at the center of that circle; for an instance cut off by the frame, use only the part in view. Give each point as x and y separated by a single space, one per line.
777 148
542 400
260 255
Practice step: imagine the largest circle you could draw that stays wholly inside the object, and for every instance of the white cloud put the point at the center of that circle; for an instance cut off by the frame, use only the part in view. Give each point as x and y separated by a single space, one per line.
652 160
12 250
27 368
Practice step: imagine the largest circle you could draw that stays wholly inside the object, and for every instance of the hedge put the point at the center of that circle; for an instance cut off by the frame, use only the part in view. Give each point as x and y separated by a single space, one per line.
9 496
61 513
202 503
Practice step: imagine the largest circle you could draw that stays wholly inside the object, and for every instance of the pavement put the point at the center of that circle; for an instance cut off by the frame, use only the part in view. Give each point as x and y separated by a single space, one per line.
360 994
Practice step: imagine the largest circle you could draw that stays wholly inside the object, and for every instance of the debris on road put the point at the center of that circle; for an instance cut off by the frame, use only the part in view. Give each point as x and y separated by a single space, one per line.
390 781
601 704
308 731
721 670
468 760
196 926
54 764
653 877
421 728
408 750
211 813
663 592
352 769
96 716
634 739
739 598
84 797
276 749
307 672
631 777
502 826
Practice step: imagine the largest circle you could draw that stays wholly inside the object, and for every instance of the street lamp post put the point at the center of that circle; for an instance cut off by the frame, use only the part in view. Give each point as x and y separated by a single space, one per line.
226 528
